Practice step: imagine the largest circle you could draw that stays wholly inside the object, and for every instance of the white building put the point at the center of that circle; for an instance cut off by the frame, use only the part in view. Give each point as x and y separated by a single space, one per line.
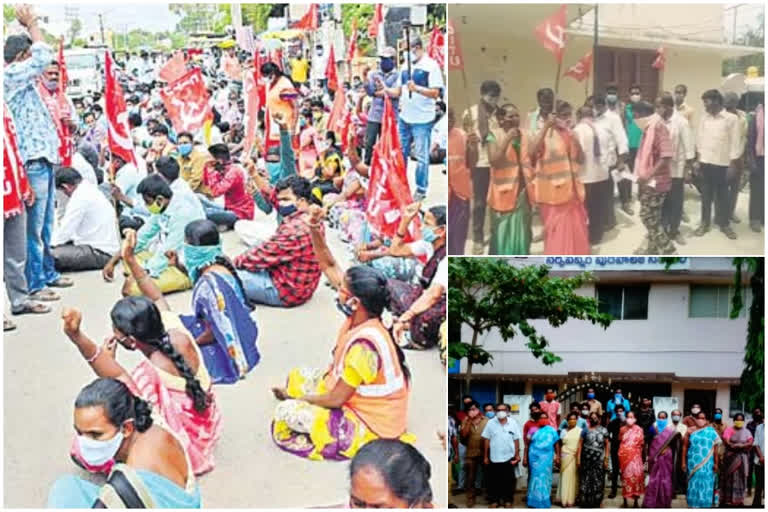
671 337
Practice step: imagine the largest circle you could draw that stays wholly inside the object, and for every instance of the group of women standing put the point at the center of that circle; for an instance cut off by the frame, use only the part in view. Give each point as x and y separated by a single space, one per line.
583 456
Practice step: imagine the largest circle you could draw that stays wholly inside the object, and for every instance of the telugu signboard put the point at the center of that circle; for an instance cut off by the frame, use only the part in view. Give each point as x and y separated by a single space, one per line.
620 263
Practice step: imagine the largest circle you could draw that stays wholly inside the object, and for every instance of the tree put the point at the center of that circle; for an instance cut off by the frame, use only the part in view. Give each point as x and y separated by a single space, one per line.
256 15
363 14
754 37
490 294
753 375
74 30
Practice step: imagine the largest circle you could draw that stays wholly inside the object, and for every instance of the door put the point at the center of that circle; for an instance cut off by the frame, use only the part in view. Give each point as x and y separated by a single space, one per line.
704 397
624 67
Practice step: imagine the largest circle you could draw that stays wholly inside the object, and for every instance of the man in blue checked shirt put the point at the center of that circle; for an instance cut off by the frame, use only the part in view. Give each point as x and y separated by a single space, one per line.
26 57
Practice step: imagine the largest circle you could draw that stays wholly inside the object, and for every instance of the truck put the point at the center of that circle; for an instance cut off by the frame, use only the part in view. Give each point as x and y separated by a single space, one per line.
85 71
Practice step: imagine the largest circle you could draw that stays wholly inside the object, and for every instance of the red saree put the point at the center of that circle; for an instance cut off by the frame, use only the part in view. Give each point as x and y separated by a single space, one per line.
631 462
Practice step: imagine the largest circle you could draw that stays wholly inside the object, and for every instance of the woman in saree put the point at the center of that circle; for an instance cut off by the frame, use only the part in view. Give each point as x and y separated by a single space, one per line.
541 453
346 210
172 377
570 460
557 158
631 444
594 463
511 187
701 462
363 394
733 480
307 146
661 468
152 468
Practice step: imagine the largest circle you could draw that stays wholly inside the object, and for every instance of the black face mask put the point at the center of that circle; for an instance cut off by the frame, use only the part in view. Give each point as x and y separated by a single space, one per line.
219 165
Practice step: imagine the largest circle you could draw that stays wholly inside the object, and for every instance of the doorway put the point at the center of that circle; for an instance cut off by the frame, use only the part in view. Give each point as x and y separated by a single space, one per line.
704 397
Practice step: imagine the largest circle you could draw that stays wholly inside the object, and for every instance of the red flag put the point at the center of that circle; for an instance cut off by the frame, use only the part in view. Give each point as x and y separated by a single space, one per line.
388 190
336 117
352 44
661 59
15 183
67 143
173 69
345 127
581 69
118 134
378 17
455 59
186 100
251 118
309 20
551 33
436 46
261 89
330 72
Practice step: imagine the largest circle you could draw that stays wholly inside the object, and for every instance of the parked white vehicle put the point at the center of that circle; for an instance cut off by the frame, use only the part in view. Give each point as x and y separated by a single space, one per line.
84 71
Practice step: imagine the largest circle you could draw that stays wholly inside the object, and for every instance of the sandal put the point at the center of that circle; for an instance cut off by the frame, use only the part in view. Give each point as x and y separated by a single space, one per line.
8 325
45 295
32 308
62 282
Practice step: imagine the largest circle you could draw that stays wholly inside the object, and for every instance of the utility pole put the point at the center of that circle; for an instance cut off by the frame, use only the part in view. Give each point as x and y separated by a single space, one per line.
101 28
733 36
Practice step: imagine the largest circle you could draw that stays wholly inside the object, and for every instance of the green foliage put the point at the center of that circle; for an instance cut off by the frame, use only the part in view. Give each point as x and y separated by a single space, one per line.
753 374
9 13
489 294
755 37
74 29
436 15
256 15
201 17
363 13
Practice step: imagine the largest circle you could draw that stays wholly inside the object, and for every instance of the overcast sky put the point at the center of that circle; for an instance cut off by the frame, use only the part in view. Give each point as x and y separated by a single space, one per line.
117 16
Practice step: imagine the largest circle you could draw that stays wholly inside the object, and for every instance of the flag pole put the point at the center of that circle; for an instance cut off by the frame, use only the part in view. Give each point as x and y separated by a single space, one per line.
408 57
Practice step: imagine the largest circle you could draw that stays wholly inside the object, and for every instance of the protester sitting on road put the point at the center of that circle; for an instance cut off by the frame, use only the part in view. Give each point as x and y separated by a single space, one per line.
362 395
86 237
389 474
163 232
282 271
152 469
223 177
328 178
192 159
133 211
168 168
172 376
221 323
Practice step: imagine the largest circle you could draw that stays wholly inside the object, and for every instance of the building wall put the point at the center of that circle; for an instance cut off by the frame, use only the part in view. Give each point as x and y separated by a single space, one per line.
667 342
522 66
700 22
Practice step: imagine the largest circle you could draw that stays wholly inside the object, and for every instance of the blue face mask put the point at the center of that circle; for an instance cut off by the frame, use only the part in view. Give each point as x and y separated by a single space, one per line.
197 257
490 415
428 234
718 416
345 308
286 210
387 64
590 396
662 424
185 149
618 398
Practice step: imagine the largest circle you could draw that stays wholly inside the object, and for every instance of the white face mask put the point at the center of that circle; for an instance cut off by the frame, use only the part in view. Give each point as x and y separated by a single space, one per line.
97 452
501 414
635 98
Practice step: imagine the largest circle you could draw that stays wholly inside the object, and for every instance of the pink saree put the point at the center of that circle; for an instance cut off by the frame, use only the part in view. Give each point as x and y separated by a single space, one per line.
631 462
565 228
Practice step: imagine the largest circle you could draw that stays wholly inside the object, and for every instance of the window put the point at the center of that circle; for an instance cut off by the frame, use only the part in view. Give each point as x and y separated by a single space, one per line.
714 301
624 302
735 405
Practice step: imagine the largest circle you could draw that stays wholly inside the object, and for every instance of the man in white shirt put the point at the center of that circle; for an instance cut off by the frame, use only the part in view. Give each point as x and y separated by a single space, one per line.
418 96
731 104
616 154
476 129
87 235
717 143
595 142
502 457
684 154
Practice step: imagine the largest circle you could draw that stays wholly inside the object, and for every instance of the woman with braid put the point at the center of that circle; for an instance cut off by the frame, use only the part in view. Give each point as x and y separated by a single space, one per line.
173 377
221 322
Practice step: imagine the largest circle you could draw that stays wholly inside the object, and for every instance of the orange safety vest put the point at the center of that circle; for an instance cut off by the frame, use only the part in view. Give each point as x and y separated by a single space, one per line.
557 170
383 404
505 181
459 179
277 104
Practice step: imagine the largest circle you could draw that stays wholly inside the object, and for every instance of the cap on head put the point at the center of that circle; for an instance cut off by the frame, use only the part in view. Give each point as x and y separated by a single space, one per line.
388 51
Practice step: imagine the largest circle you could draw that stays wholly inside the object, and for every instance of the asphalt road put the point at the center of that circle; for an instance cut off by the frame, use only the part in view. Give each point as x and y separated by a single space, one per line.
44 372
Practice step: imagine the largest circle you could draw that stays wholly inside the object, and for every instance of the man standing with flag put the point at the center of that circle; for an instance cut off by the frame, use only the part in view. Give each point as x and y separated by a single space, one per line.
26 58
418 97
378 84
